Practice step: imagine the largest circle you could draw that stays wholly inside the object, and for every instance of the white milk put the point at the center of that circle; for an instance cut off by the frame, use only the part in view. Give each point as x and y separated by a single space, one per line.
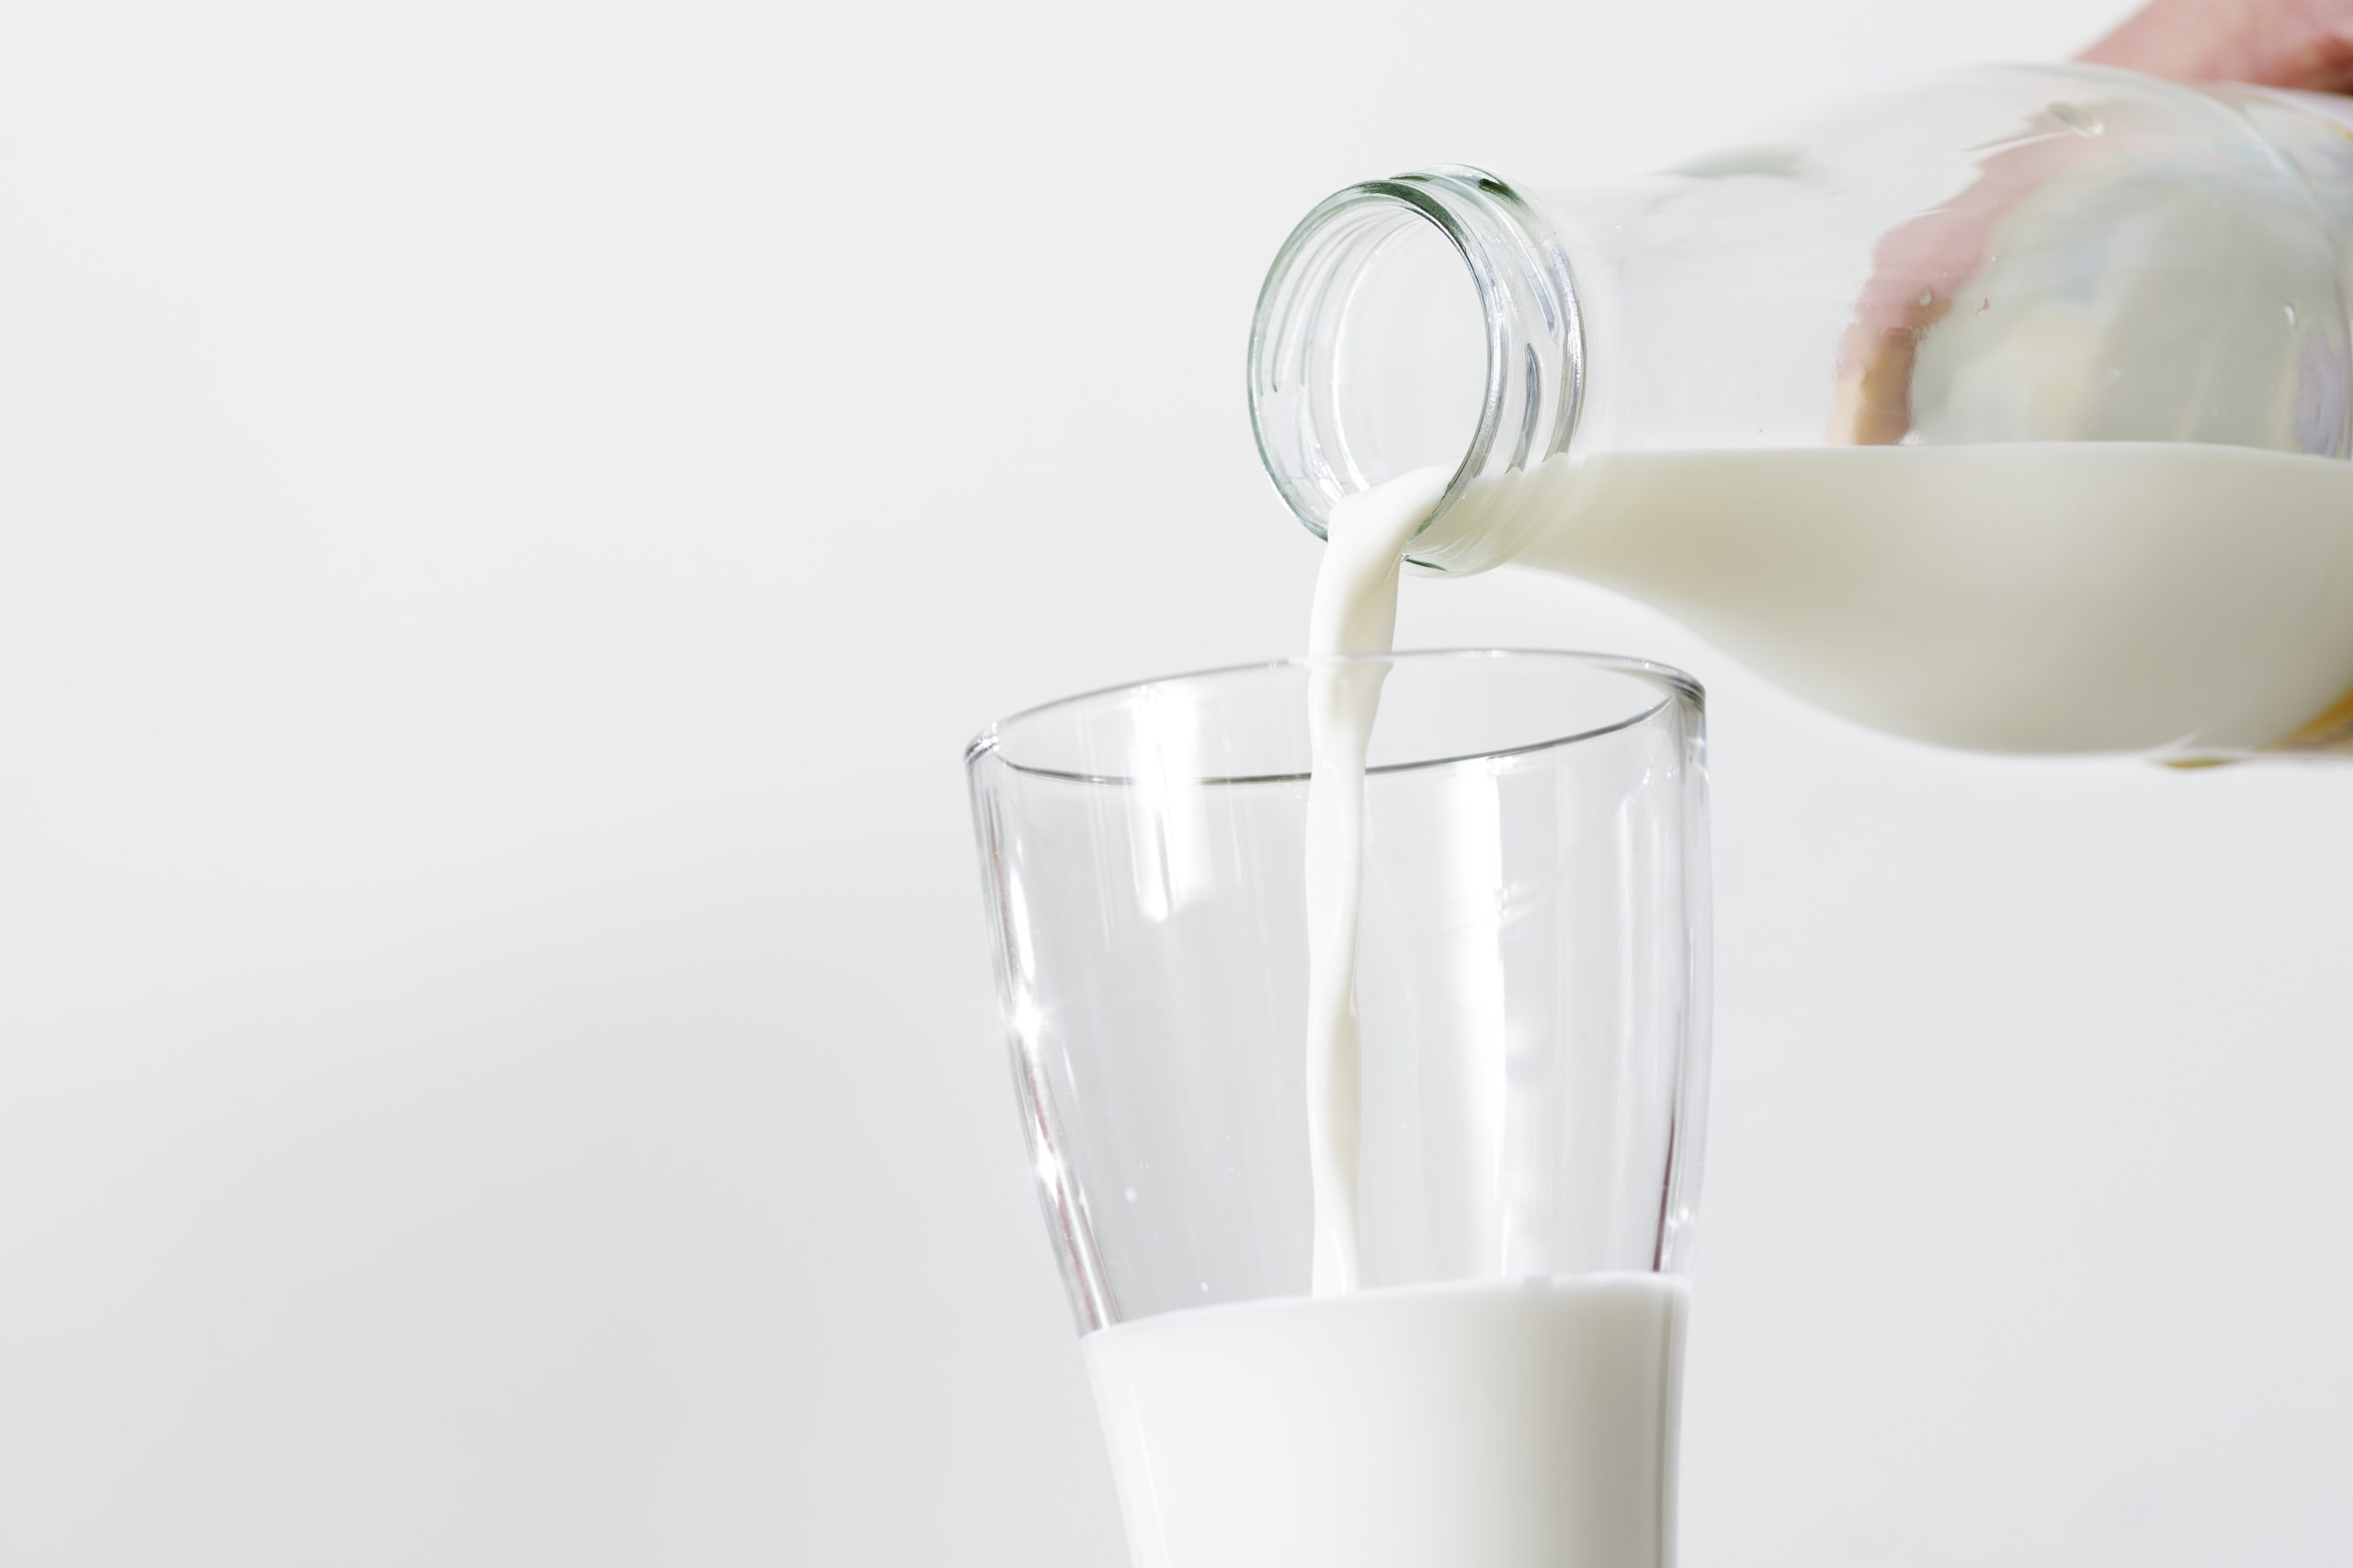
2076 596
1480 1426
1355 612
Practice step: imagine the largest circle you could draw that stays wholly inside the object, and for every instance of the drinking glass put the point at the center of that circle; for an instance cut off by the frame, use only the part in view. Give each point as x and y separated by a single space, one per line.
1533 986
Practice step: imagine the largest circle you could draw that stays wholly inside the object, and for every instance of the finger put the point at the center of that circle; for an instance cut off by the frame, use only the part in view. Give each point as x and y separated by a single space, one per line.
1920 270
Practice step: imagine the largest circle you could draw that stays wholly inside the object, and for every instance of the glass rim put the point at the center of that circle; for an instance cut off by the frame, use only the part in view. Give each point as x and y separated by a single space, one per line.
1672 684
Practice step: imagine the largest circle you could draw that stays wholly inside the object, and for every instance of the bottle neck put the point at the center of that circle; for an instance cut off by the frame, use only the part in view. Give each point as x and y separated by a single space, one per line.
1420 322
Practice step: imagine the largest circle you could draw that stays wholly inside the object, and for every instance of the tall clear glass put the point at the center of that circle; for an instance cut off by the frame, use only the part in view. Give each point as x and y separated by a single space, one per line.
1533 994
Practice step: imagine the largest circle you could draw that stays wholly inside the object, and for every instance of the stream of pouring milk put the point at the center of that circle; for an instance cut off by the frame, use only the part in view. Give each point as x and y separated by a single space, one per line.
1355 611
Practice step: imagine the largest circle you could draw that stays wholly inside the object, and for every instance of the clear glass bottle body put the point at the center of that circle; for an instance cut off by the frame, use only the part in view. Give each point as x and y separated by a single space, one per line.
2008 410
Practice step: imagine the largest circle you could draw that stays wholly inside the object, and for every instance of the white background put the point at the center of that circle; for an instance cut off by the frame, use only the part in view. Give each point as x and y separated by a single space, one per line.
510 516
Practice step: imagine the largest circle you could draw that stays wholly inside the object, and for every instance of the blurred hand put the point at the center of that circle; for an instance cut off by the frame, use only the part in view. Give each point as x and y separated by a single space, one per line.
2271 44
1922 265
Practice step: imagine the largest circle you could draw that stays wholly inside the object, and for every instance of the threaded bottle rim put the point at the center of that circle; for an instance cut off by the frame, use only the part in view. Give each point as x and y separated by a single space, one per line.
1305 342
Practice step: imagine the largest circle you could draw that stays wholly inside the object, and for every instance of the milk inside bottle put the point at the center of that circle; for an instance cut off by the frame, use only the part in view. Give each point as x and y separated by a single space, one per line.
2007 411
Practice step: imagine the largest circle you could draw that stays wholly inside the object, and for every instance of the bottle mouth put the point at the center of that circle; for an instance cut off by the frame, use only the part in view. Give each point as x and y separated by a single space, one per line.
1422 322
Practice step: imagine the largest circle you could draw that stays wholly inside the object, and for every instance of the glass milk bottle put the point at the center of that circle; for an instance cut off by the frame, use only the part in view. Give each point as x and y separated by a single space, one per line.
2007 411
